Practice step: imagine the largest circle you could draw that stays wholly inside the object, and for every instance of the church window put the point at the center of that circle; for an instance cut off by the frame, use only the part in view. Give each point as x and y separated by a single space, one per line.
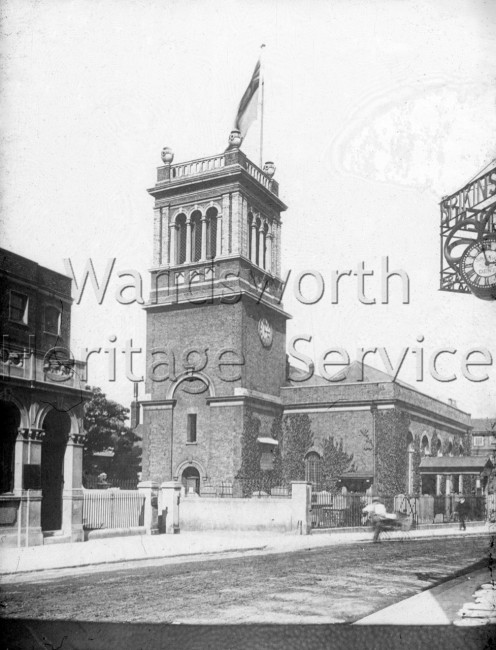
196 236
258 252
264 253
191 428
181 239
211 233
313 469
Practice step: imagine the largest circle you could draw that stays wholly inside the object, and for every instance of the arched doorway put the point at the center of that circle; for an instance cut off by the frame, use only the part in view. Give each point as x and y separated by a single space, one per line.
57 426
190 478
10 418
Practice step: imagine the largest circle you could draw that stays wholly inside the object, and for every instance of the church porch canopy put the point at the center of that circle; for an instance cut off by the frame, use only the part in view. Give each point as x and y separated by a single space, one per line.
455 465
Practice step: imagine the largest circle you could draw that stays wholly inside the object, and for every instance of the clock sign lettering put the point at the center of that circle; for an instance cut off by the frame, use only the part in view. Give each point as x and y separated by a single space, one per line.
265 332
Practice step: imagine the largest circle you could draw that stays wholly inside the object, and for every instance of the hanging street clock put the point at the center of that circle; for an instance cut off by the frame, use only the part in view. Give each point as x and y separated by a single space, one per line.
468 238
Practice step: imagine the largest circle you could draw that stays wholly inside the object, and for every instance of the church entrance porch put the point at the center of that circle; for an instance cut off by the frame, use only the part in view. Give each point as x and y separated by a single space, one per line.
190 480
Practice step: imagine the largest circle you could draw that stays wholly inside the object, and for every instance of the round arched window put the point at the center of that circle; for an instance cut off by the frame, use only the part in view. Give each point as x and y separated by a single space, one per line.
313 469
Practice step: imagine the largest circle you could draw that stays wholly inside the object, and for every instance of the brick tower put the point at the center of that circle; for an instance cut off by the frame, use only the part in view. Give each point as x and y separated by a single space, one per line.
216 331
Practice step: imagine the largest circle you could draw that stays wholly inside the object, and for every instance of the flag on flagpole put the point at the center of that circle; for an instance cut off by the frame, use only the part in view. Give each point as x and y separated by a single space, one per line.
248 106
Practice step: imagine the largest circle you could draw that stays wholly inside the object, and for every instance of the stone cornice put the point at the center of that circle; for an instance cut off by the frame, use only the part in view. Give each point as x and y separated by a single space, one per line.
157 404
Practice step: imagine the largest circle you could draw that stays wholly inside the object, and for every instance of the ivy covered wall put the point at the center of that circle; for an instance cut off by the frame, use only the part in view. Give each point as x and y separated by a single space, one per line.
391 455
296 436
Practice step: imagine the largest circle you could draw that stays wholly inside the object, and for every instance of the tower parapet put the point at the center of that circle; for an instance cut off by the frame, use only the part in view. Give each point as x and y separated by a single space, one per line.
216 219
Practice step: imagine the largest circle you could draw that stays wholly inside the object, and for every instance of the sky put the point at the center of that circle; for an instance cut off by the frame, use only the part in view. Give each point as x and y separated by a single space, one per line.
373 112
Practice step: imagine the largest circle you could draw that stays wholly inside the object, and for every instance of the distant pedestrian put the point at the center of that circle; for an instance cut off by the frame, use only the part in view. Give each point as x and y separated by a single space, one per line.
462 509
376 512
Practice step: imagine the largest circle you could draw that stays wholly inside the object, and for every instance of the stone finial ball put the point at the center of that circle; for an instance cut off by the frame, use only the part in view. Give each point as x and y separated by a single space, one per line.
167 155
235 138
269 169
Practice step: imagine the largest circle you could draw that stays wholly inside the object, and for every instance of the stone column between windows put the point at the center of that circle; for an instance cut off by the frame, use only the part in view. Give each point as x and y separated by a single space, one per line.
188 240
226 216
261 246
165 257
268 256
253 236
203 238
218 251
157 236
277 267
237 215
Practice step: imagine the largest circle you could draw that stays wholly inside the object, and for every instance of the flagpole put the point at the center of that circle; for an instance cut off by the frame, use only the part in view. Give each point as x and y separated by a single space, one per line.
261 103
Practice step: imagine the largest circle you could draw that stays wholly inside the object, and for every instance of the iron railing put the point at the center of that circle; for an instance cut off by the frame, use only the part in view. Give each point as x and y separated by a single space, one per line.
346 511
112 508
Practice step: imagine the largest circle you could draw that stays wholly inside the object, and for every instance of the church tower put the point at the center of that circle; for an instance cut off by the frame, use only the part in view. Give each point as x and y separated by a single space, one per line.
216 330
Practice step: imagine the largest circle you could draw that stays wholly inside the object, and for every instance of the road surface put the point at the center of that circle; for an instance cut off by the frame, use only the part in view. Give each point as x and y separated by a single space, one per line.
326 585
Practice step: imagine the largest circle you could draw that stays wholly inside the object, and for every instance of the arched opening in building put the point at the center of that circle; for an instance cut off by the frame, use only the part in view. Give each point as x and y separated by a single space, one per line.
265 261
10 418
211 233
181 239
313 469
196 236
57 426
424 446
439 451
258 252
190 478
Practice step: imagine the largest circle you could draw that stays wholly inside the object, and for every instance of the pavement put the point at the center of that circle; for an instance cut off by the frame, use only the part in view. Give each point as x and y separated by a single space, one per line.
452 602
188 546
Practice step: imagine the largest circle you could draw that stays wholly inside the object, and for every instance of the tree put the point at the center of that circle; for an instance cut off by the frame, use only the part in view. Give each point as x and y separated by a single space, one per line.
335 461
106 430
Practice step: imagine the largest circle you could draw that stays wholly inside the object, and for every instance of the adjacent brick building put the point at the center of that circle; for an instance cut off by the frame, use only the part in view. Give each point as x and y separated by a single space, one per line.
41 403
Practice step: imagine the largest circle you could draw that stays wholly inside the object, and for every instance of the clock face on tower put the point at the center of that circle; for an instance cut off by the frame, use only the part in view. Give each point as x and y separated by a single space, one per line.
478 267
265 332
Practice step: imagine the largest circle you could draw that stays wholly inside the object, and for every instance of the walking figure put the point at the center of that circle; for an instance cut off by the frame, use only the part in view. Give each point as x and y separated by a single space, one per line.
376 512
462 509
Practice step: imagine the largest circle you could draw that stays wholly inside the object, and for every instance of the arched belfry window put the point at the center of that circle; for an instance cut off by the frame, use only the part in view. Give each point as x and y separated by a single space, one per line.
258 252
264 252
181 239
196 236
313 469
211 233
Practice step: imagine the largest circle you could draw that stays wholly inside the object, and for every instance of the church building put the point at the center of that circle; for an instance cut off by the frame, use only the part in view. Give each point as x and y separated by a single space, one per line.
222 404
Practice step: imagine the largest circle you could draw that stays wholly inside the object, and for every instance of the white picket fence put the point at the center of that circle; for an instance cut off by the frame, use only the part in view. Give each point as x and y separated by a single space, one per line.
112 508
